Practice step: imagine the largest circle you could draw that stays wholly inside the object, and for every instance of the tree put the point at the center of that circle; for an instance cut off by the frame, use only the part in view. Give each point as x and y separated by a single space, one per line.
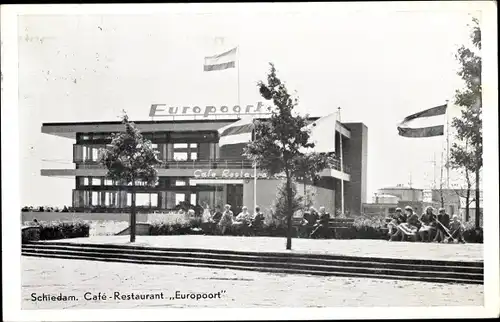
130 159
280 205
308 168
280 139
462 159
469 125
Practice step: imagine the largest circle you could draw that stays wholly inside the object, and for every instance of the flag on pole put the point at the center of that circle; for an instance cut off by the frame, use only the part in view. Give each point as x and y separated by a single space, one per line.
424 124
323 133
236 133
222 61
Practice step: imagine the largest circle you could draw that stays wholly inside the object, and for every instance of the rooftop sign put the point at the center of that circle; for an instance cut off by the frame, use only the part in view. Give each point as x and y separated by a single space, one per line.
209 110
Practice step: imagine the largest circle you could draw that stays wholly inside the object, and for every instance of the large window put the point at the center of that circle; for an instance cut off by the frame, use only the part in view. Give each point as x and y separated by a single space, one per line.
179 197
180 156
143 199
95 198
185 151
180 183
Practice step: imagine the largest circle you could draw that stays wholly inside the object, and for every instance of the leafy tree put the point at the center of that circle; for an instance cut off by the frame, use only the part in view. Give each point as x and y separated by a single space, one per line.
469 154
280 139
130 159
280 205
308 168
462 159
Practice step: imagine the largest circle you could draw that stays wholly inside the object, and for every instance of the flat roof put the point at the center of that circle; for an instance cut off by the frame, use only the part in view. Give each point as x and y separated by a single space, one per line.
69 129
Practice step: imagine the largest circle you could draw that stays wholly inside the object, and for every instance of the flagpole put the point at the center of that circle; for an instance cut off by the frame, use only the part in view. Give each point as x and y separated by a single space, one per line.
238 73
253 134
341 165
447 146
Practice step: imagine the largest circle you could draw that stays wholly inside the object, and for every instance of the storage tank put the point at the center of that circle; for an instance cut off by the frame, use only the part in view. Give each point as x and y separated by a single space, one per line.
386 199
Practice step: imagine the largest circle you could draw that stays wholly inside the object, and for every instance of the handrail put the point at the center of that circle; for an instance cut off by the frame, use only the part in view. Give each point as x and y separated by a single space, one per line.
204 164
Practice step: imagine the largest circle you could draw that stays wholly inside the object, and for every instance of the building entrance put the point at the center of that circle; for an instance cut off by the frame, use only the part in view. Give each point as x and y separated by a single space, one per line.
235 197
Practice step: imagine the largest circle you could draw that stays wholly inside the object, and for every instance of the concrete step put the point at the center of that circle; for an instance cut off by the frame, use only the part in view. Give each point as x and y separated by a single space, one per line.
478 264
347 262
169 259
262 269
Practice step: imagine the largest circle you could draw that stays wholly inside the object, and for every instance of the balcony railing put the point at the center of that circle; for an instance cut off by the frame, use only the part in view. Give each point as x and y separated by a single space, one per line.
207 164
202 164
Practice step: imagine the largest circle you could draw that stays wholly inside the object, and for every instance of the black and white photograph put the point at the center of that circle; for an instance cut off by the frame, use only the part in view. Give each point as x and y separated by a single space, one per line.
332 158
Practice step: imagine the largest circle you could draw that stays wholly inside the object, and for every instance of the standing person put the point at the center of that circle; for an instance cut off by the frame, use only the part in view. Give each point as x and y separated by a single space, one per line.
428 220
457 229
443 223
226 220
322 226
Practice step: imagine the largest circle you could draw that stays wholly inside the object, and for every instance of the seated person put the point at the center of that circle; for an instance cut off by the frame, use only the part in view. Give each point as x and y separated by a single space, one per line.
226 220
193 219
206 216
443 224
311 217
244 216
408 228
217 215
258 219
393 221
428 220
309 220
322 227
243 220
457 229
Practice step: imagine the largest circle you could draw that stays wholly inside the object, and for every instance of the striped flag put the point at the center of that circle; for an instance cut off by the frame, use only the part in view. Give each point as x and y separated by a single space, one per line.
222 61
424 124
236 133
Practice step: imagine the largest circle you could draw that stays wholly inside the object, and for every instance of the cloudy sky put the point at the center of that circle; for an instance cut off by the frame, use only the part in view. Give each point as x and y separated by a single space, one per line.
378 66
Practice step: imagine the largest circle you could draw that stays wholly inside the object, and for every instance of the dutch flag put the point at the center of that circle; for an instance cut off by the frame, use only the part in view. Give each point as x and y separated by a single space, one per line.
222 61
236 133
424 124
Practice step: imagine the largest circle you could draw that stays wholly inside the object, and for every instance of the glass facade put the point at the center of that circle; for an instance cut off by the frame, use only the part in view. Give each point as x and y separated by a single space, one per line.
176 150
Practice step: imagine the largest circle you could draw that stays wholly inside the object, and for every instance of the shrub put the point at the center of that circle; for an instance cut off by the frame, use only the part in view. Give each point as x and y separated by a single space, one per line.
30 234
171 224
471 234
59 230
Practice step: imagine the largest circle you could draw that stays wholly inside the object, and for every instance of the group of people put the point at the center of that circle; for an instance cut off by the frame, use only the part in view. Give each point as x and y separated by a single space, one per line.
428 227
225 220
315 224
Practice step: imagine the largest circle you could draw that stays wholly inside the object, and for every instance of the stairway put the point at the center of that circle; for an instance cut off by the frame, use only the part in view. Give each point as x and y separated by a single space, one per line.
311 264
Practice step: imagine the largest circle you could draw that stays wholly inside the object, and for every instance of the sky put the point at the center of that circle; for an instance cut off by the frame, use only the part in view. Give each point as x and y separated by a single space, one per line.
378 66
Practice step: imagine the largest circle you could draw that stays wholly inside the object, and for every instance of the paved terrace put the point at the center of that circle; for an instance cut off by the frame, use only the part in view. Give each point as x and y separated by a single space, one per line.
355 247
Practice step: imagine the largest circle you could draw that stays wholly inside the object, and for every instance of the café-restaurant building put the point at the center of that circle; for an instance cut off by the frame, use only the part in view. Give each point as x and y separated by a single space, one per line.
195 169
